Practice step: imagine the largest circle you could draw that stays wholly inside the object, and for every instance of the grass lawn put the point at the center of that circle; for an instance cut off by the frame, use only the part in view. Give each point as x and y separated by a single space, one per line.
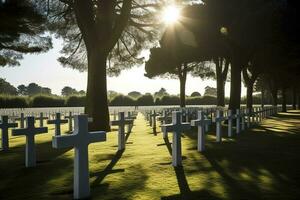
261 163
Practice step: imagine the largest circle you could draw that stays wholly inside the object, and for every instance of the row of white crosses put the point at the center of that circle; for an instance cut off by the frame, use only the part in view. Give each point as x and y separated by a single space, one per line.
121 122
177 128
79 139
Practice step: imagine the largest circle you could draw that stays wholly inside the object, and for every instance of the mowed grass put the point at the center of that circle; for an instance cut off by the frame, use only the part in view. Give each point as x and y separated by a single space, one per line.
261 163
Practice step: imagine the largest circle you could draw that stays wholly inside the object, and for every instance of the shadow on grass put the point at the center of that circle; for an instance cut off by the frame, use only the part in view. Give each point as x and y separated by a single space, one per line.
108 169
30 180
185 191
260 163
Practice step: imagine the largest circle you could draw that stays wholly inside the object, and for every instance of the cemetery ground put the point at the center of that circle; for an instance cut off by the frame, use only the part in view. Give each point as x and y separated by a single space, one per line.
261 163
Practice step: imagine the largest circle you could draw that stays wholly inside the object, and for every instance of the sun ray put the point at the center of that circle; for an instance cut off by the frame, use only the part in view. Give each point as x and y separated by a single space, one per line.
171 14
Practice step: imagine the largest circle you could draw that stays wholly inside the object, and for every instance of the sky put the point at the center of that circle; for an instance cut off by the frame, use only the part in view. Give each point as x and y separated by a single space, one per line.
45 70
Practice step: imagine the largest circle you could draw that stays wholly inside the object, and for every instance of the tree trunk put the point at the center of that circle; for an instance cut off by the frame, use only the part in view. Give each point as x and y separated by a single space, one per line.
97 104
235 84
221 76
283 100
298 102
182 79
274 96
220 92
250 94
294 98
262 97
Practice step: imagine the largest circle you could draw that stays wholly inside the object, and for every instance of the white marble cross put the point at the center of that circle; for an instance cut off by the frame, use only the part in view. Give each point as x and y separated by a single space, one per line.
177 127
248 113
153 116
201 122
164 119
219 119
129 116
22 119
150 118
41 118
4 126
185 114
57 122
70 118
238 121
243 119
121 122
80 139
30 131
230 117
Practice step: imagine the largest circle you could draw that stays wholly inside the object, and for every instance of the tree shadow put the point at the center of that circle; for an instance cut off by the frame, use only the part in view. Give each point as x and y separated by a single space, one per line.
185 191
29 180
100 176
168 145
261 162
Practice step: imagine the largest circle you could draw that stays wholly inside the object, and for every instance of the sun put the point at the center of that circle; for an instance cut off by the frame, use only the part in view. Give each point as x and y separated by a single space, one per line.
171 14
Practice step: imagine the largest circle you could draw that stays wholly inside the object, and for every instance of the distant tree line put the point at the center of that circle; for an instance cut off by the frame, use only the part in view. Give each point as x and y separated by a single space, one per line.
33 89
133 98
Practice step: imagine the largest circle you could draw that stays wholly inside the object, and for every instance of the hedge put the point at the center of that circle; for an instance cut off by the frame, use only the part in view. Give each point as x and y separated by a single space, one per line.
7 101
47 101
13 102
121 100
76 101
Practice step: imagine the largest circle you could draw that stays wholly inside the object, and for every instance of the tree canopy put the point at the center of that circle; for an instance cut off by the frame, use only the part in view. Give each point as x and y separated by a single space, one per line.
22 30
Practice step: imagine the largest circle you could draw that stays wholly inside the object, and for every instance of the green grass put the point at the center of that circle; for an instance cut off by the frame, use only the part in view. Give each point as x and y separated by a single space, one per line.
261 163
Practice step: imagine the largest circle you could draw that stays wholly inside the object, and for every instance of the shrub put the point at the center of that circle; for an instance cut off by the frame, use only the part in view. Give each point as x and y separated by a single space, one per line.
47 101
121 100
145 100
13 102
170 100
195 94
76 101
209 100
193 100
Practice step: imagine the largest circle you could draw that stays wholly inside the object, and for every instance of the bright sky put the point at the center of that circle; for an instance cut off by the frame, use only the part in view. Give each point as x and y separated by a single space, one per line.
45 70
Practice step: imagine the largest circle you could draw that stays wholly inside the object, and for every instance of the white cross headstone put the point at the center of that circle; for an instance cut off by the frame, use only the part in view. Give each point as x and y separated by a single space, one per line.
243 119
121 122
4 126
164 119
80 139
177 127
150 118
257 115
130 116
200 123
153 116
219 119
70 118
238 121
41 118
22 119
248 110
30 131
230 117
57 122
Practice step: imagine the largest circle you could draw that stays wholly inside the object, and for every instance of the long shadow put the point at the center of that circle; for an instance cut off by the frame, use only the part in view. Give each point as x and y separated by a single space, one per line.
185 191
168 145
44 152
182 181
231 183
108 169
30 180
127 136
260 152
